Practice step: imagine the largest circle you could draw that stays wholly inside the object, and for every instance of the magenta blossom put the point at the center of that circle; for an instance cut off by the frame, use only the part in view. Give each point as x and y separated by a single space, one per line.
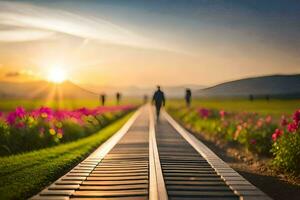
61 114
222 113
292 127
11 118
46 113
296 117
20 112
277 134
46 110
84 111
203 112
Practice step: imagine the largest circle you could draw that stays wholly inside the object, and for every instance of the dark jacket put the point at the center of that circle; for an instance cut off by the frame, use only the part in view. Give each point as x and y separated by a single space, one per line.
158 98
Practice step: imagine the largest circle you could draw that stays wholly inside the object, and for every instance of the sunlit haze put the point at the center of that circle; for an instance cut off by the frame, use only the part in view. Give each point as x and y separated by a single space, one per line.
57 74
144 43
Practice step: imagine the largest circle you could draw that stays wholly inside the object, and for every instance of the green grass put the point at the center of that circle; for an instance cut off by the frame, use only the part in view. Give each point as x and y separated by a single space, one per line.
24 175
273 107
10 104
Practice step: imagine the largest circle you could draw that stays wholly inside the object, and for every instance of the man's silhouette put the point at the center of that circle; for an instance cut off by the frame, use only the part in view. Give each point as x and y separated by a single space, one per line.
118 97
102 99
158 100
188 96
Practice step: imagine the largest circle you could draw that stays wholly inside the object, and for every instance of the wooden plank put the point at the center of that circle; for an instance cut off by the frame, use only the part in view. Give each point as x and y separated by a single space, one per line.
144 173
202 193
99 171
120 178
200 183
47 192
119 193
111 198
113 187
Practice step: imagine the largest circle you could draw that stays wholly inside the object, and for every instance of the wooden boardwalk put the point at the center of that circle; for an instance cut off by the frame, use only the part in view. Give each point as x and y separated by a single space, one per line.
148 160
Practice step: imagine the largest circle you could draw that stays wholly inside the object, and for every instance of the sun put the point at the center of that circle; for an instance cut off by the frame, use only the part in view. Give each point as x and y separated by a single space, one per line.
56 75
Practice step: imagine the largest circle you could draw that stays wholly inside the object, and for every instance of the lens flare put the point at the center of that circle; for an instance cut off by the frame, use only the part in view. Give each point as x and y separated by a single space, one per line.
57 75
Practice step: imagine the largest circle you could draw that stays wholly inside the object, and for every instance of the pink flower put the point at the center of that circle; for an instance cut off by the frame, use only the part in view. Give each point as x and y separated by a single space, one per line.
61 114
259 123
292 127
277 134
11 118
84 111
268 119
204 113
20 112
47 110
296 117
222 113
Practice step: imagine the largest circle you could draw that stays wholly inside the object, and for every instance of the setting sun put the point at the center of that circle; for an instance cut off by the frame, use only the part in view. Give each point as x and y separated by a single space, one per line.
57 75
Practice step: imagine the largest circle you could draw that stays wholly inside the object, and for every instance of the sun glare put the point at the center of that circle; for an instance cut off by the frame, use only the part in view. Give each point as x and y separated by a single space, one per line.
56 75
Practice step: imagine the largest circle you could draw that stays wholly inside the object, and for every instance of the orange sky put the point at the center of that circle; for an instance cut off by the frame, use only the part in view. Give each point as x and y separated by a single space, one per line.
109 49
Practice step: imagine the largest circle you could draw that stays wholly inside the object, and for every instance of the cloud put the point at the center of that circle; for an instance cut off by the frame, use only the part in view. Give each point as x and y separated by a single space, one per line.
22 73
12 74
22 35
37 22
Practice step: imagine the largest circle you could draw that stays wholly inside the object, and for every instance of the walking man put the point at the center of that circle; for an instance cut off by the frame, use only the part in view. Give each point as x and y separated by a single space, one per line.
158 100
118 97
102 99
188 96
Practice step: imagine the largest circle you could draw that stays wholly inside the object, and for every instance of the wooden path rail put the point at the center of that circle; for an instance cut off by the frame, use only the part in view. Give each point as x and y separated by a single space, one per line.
148 160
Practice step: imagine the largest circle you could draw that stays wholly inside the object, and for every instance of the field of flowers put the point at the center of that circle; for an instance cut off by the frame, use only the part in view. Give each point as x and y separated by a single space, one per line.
22 130
278 138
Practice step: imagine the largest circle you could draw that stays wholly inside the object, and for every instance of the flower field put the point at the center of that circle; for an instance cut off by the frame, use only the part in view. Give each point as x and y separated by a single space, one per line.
23 175
25 130
268 135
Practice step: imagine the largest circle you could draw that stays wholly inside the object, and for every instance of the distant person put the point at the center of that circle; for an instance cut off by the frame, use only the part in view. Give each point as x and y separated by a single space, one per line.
267 97
251 97
118 97
102 99
145 99
188 96
158 100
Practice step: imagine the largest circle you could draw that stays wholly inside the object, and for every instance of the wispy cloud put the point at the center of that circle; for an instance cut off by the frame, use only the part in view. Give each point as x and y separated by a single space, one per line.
25 74
12 74
38 22
21 35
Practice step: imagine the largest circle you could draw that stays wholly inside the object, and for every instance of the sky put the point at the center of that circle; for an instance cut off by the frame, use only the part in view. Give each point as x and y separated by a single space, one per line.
144 43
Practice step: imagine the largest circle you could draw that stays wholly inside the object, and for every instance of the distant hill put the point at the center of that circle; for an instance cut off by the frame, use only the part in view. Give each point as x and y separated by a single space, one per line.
42 90
135 91
69 90
275 85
